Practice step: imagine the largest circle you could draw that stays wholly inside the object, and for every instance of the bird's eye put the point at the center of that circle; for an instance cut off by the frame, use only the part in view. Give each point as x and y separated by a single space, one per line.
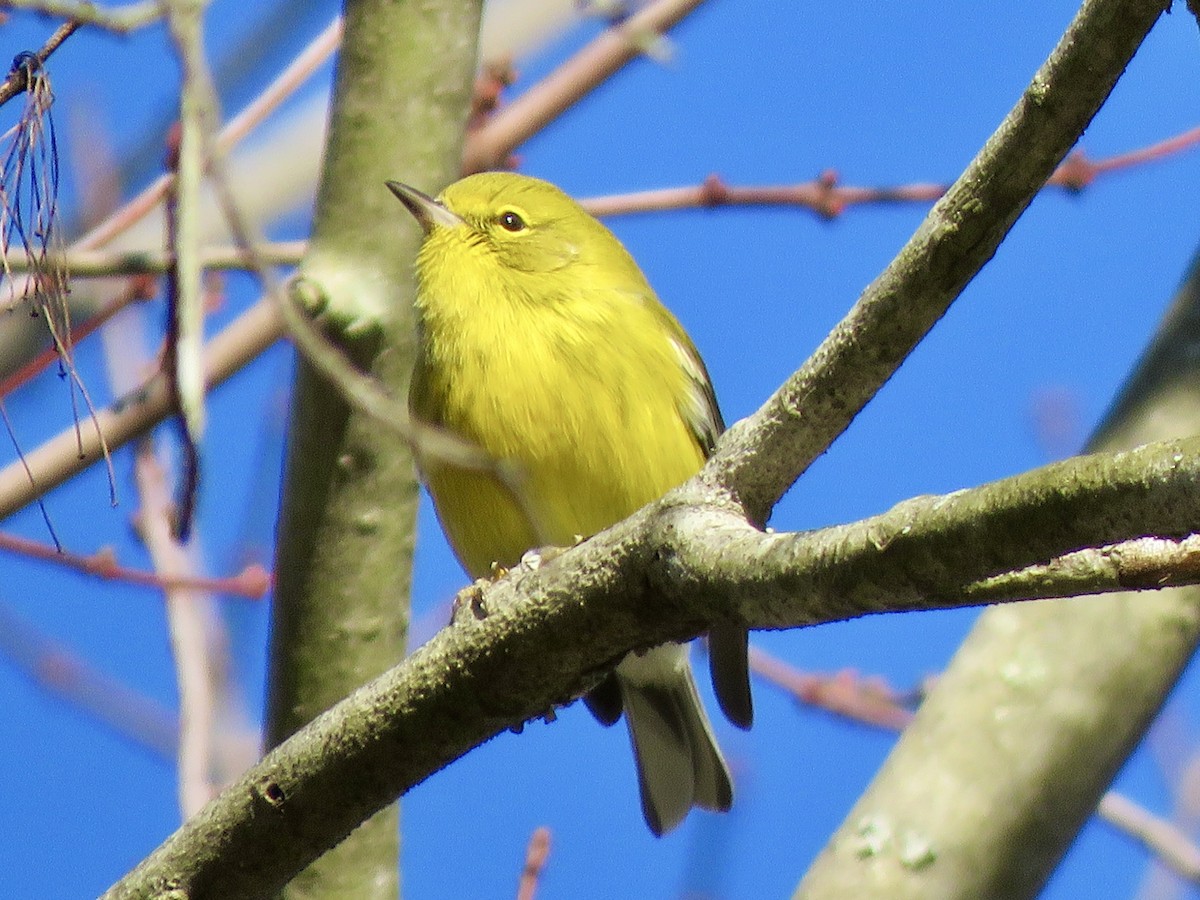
510 221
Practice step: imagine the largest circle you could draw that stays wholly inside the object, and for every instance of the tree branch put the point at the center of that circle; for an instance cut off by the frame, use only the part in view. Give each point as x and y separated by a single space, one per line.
120 19
986 544
489 146
492 666
65 455
764 455
17 80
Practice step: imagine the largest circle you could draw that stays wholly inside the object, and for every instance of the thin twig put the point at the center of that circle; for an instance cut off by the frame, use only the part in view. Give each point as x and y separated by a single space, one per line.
137 289
536 855
252 583
108 263
198 673
31 168
829 199
17 80
297 72
1168 844
121 19
213 745
56 460
489 146
60 671
1077 171
866 701
198 115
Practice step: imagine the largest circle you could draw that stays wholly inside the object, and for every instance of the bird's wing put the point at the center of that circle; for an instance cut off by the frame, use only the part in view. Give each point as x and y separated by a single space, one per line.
728 642
699 406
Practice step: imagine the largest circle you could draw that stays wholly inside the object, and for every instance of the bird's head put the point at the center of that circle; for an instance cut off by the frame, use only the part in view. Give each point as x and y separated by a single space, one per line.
516 231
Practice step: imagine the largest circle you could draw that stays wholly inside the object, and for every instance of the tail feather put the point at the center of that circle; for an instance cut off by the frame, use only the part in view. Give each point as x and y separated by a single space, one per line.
679 764
604 700
728 659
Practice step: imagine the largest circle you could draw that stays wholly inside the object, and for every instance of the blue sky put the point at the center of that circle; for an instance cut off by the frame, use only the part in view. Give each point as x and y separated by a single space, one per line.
759 93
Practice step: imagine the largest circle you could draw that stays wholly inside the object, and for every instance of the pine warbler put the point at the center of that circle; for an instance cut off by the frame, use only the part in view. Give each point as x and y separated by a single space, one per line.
543 344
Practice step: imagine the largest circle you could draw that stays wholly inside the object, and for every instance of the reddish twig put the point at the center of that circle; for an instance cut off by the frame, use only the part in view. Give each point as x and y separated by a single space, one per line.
252 582
866 701
535 862
490 83
1077 171
59 670
490 146
298 71
139 288
825 197
57 459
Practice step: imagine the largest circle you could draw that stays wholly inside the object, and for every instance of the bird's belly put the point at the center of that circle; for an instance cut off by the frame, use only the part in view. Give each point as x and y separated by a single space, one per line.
577 474
592 443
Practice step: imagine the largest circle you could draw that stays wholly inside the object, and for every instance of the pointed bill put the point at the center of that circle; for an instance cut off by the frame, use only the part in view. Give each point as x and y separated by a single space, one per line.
424 208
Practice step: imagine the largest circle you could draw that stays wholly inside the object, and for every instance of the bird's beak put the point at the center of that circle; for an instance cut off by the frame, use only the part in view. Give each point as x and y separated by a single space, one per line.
427 211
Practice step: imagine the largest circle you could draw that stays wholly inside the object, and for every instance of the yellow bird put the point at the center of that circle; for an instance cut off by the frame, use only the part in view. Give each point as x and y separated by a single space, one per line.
543 344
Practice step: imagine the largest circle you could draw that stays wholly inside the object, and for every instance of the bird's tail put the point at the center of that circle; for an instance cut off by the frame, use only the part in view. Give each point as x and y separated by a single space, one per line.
678 761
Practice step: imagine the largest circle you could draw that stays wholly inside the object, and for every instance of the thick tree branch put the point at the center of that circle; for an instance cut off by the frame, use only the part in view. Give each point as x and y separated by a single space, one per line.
765 454
993 543
1022 734
492 667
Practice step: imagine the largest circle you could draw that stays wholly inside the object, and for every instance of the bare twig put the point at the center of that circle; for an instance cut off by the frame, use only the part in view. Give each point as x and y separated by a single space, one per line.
252 583
17 80
866 701
60 671
198 116
137 289
297 72
528 114
121 19
57 459
829 199
536 855
107 263
198 670
1165 841
1077 171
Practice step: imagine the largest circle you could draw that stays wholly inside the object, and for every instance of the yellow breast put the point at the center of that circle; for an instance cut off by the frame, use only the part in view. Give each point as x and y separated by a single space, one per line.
584 395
